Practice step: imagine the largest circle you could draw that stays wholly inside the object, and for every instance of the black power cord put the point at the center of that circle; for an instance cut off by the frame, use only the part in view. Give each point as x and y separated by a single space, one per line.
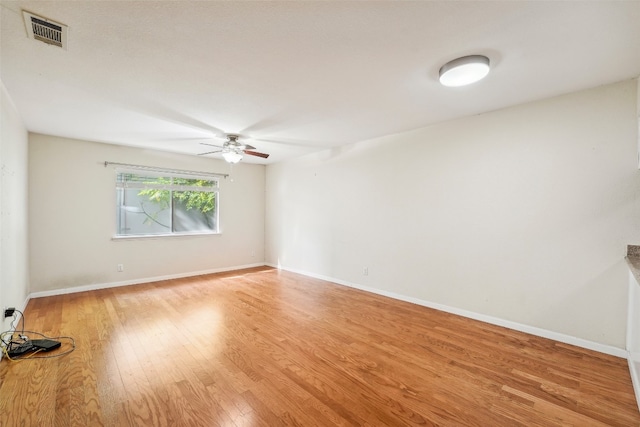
24 348
12 327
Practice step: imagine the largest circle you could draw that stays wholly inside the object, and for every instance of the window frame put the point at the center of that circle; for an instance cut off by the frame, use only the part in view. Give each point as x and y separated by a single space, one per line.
168 173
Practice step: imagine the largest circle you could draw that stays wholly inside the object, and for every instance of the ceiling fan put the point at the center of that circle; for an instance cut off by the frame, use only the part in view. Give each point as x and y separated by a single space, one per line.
232 150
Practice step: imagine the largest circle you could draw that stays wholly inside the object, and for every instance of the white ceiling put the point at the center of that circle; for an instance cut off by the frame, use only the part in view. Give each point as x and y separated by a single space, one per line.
294 77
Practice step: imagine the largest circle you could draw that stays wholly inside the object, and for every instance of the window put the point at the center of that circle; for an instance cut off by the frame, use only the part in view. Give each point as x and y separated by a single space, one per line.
164 203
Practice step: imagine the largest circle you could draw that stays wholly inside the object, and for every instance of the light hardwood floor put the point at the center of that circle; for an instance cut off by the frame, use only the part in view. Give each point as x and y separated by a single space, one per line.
261 347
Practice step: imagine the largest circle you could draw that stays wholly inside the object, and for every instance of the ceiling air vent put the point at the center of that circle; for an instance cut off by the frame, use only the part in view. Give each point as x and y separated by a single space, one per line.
45 30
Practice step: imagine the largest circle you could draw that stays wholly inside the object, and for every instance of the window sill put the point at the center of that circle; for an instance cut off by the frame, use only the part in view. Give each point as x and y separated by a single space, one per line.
164 236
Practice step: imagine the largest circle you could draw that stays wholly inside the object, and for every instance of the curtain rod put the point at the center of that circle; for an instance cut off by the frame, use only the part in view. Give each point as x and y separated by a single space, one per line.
156 169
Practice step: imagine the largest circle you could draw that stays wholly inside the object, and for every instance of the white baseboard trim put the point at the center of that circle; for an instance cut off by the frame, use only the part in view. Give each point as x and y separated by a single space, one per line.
544 333
635 378
26 301
97 286
633 331
556 336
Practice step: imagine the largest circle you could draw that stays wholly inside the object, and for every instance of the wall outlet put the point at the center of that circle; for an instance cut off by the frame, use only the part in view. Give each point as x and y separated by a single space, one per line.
365 271
120 268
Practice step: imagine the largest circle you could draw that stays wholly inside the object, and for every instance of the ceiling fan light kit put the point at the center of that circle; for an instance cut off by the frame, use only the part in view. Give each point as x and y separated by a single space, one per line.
232 156
464 71
233 150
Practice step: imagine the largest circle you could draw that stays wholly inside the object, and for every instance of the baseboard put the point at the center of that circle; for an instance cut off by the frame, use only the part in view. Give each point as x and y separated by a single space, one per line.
26 302
544 333
633 331
634 367
97 286
567 339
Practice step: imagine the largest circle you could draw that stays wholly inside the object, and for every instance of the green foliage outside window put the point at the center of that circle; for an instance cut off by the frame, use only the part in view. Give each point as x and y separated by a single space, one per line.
179 205
199 200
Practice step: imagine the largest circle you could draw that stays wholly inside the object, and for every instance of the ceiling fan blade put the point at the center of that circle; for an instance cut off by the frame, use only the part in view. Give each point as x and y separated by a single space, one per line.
255 153
209 152
292 142
212 145
249 147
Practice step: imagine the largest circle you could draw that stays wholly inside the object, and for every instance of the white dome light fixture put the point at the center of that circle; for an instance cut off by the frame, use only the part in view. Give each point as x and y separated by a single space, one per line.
464 71
232 156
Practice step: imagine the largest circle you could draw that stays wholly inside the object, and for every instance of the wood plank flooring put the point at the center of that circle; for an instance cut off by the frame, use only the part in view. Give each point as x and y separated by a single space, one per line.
261 347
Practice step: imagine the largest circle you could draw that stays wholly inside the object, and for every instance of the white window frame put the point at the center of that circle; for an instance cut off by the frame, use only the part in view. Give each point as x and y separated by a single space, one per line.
166 173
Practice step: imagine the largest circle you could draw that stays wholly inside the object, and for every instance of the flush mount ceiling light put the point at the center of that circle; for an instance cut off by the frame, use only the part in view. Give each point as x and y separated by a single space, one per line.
464 71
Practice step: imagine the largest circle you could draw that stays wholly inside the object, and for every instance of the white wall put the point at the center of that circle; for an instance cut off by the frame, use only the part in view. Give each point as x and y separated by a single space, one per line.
633 334
522 214
72 218
14 263
638 114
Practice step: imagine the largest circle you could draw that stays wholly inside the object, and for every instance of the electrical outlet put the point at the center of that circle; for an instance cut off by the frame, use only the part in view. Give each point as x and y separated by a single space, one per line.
365 271
8 311
120 268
